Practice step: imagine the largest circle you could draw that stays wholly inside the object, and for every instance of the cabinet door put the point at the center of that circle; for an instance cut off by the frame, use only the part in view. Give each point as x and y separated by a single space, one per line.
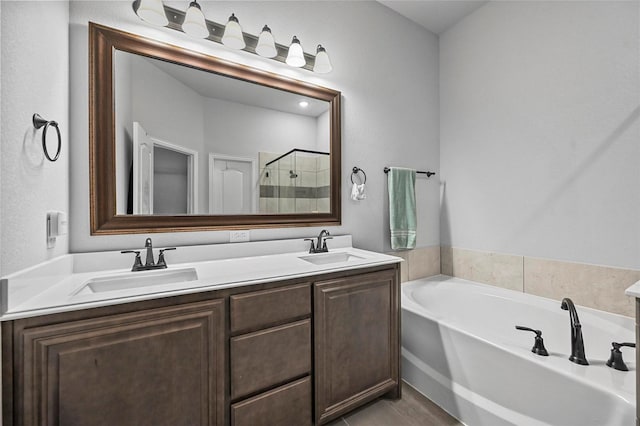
155 367
356 341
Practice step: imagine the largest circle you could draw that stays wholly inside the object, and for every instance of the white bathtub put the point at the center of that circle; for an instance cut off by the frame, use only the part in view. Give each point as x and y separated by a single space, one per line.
460 349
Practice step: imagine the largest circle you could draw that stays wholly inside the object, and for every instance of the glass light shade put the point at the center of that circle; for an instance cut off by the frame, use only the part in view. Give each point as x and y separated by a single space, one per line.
152 11
266 44
323 63
194 23
295 57
232 36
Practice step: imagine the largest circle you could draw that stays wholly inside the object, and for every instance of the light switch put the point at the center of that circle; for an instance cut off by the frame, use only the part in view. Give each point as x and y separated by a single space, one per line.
56 225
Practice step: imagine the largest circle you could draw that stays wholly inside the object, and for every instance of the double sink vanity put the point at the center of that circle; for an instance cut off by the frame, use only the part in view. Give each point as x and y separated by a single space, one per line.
260 333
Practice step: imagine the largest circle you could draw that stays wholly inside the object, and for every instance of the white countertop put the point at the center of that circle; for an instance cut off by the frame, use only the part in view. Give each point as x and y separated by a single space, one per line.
55 286
634 290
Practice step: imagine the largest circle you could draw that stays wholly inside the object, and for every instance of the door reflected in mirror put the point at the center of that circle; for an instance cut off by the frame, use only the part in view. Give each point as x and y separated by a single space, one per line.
194 142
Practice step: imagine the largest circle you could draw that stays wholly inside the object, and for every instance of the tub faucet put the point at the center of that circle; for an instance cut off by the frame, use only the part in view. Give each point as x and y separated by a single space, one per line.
577 344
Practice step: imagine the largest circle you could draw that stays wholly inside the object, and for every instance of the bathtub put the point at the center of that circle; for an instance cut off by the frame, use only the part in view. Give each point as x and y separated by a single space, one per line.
460 349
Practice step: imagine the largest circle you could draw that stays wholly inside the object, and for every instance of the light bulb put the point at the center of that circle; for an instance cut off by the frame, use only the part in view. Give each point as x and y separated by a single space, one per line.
232 36
152 11
323 63
266 46
295 57
194 23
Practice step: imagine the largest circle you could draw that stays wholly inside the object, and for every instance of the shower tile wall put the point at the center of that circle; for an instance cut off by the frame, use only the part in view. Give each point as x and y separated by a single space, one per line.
296 183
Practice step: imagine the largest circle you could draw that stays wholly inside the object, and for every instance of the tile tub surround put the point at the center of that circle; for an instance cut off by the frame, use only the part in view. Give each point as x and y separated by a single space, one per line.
420 262
594 286
502 270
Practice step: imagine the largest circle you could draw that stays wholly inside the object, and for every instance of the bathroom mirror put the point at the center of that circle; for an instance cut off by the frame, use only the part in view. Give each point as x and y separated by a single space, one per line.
182 141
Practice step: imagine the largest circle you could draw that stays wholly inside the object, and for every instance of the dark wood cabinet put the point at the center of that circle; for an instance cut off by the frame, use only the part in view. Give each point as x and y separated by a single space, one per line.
293 352
157 367
356 342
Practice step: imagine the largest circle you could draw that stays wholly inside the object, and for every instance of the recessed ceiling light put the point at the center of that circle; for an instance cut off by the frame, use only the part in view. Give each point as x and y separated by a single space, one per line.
303 104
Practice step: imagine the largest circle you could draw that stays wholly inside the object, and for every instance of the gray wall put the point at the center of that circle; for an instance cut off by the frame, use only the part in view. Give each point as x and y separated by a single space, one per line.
34 79
384 105
540 131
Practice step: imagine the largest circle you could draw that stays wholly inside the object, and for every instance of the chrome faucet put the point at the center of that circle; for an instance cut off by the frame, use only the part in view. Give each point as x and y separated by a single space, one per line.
577 344
149 261
321 244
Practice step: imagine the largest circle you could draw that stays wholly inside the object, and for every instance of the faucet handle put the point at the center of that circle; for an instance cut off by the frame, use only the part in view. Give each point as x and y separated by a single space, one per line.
312 249
538 345
137 263
161 263
324 243
615 360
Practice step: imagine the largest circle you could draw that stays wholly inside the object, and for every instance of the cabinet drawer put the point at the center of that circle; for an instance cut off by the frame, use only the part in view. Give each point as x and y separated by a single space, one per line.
270 357
261 309
287 405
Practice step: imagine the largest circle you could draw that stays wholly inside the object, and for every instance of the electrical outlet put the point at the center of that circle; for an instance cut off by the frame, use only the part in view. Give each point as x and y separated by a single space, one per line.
239 236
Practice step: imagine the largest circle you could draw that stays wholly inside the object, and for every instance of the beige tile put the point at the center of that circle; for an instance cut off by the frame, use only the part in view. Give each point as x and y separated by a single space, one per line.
306 163
404 266
501 270
424 262
272 205
306 179
286 205
323 205
322 162
598 287
284 178
446 260
323 178
303 205
285 163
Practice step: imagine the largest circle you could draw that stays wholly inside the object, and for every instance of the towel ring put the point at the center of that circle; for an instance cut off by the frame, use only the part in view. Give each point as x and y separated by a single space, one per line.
357 170
38 122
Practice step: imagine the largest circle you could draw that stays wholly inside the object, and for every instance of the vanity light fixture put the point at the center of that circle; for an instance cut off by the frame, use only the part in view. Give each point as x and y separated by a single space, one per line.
266 44
152 11
194 23
232 36
323 63
295 57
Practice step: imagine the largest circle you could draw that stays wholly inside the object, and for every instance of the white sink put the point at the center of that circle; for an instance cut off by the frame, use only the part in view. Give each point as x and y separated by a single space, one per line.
137 279
327 258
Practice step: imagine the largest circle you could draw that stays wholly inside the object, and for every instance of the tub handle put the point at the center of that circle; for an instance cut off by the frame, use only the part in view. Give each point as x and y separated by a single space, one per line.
538 345
616 361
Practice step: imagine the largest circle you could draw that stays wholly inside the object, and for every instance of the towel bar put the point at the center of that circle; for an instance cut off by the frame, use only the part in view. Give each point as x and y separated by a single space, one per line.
429 174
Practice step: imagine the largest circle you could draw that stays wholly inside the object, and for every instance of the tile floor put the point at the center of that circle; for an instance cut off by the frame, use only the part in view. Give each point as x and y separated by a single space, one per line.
412 410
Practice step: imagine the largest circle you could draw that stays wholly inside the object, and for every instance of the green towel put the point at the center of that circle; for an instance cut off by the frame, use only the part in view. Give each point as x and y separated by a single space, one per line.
402 208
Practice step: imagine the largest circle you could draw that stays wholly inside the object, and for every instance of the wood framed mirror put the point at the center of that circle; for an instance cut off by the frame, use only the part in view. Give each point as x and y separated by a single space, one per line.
270 166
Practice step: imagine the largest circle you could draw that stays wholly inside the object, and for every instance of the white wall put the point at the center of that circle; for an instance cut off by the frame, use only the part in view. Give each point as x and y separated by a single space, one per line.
243 130
170 111
34 79
540 131
322 132
390 105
